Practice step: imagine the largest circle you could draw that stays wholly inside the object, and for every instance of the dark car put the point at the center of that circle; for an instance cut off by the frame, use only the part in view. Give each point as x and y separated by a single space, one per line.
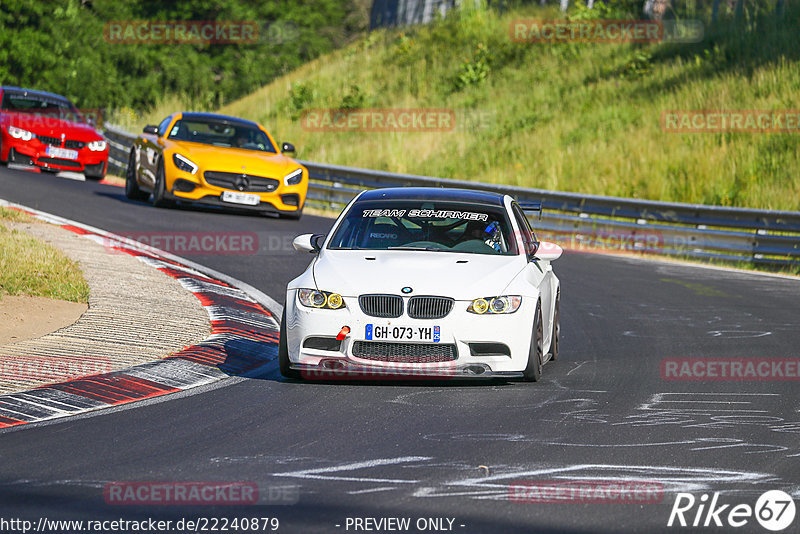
48 131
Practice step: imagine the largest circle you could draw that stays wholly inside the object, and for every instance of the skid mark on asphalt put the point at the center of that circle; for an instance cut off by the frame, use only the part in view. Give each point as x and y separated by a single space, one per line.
735 324
447 478
267 459
712 421
506 396
715 410
673 479
576 366
701 443
729 334
712 410
729 414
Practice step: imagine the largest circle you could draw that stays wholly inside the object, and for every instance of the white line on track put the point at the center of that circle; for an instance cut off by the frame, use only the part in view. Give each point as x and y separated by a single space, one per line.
320 473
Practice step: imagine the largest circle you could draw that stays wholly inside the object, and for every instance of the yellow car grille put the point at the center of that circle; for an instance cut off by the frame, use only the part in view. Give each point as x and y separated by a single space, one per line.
241 182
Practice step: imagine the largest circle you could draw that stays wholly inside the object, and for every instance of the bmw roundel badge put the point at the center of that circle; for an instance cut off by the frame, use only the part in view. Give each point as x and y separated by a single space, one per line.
406 290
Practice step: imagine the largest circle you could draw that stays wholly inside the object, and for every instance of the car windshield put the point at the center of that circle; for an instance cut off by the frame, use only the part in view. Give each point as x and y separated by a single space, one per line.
223 134
40 105
425 225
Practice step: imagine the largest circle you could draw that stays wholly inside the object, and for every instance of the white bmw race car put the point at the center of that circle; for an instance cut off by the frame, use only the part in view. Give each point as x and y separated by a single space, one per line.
414 282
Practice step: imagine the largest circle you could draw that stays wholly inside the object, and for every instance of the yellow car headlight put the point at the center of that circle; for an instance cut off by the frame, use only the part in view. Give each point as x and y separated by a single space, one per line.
312 298
495 305
294 177
184 164
479 306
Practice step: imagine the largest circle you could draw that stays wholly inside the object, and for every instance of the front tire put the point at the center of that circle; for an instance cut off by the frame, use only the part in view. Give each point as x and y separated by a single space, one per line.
132 190
554 341
283 353
533 372
160 190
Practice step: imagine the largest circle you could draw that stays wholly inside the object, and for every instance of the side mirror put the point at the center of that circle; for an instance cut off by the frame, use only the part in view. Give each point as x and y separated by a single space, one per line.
548 251
287 147
150 129
308 243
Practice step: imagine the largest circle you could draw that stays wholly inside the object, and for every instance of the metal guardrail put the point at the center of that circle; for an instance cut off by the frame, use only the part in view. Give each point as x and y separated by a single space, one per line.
577 221
120 143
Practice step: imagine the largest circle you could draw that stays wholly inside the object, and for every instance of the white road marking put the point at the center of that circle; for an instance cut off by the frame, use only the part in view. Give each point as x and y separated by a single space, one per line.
673 479
69 175
319 473
371 490
575 368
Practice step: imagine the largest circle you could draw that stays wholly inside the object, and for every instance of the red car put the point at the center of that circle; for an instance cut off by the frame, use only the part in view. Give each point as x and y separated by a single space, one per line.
48 131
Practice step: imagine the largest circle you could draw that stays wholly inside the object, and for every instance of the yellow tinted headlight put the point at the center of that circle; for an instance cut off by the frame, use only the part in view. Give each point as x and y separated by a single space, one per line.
495 305
312 298
479 306
335 301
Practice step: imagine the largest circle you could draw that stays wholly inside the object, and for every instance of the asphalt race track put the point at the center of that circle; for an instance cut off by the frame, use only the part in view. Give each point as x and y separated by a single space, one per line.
325 452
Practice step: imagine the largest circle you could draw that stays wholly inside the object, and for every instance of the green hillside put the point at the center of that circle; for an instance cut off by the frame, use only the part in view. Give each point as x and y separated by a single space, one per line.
68 47
575 117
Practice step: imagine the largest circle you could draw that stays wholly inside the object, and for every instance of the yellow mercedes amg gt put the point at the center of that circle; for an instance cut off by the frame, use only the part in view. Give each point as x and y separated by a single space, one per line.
215 160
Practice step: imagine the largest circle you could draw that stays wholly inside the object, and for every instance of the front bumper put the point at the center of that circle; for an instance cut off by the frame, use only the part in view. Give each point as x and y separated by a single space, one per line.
34 152
185 187
307 330
343 370
265 205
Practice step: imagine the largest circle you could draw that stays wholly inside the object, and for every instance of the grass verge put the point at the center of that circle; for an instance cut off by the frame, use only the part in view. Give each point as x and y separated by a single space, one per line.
583 117
29 266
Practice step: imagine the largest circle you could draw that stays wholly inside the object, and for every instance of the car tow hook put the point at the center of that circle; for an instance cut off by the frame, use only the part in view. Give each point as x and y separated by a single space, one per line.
343 333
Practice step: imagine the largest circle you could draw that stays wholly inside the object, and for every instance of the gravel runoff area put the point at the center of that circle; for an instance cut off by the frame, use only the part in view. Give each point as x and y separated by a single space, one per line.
136 314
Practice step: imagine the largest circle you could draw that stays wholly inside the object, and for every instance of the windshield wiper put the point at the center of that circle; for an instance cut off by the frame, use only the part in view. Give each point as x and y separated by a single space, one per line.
432 249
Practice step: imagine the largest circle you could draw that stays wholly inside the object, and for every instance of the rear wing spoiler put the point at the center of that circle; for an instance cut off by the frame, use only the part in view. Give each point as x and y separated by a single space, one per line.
532 206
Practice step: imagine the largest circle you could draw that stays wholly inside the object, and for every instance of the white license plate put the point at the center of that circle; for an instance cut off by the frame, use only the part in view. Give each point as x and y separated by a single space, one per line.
379 332
63 153
240 198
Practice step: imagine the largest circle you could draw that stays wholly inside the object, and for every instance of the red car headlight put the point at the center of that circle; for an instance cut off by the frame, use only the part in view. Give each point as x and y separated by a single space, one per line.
97 146
19 133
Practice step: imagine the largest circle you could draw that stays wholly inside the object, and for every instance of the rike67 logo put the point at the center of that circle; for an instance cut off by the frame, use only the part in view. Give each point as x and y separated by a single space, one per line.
774 510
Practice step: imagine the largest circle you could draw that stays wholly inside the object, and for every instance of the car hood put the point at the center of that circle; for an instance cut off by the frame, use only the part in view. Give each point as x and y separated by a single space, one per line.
51 127
460 276
237 160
